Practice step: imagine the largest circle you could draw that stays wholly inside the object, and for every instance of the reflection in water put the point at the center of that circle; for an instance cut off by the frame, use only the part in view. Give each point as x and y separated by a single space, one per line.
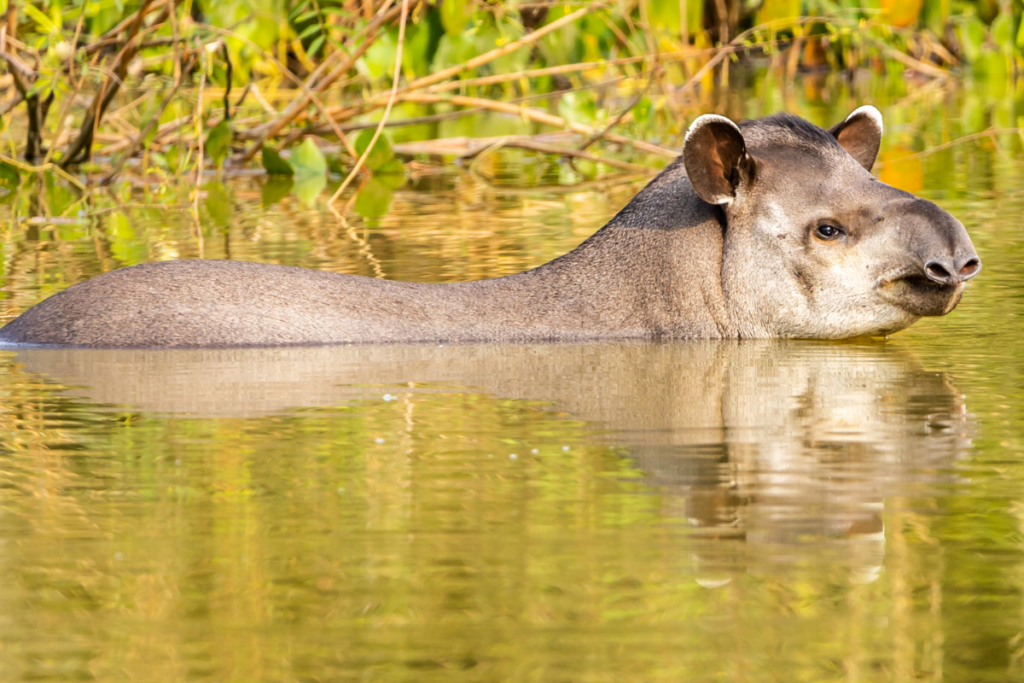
720 513
772 442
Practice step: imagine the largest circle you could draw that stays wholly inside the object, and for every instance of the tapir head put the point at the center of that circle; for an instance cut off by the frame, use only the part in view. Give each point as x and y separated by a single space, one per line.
815 246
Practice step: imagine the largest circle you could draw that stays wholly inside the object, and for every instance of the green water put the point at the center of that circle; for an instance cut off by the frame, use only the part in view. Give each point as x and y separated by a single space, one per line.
768 511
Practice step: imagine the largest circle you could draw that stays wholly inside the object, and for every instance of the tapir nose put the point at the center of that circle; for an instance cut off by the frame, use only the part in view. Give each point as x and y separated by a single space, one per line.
941 245
952 272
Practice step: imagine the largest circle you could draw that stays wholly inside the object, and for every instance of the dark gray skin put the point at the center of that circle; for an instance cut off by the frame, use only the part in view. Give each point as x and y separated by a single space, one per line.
774 228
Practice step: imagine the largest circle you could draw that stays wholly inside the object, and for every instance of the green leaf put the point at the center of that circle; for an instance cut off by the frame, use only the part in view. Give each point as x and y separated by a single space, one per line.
275 189
274 164
453 50
315 46
381 152
219 204
9 180
264 32
308 160
44 22
391 174
1002 32
643 111
218 142
308 187
379 60
454 15
336 11
119 228
374 199
58 196
972 37
416 52
9 176
309 31
577 107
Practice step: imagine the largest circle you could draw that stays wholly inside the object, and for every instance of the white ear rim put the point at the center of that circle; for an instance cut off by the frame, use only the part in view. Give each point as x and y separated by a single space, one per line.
705 119
869 111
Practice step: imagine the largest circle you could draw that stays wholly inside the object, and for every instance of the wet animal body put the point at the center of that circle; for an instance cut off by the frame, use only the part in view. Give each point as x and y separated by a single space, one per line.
769 228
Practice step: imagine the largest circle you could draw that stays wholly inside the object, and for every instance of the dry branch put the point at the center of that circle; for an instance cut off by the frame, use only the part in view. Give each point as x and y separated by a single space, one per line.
82 146
312 87
539 116
387 110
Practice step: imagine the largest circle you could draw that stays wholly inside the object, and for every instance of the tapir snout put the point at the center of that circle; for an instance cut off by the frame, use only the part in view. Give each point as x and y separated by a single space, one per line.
940 245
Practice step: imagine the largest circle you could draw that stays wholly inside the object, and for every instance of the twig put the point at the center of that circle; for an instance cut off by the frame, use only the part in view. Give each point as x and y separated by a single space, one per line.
736 44
154 119
295 79
621 115
391 123
491 55
199 139
29 168
477 61
991 132
82 145
387 110
311 86
11 103
122 207
227 85
18 67
66 109
364 246
163 130
263 102
533 145
111 36
538 116
908 61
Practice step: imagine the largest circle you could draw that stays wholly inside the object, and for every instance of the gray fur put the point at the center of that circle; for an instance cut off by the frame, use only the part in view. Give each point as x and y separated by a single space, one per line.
669 265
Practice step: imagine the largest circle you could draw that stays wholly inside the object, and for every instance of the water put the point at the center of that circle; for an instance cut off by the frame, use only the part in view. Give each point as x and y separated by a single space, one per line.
791 511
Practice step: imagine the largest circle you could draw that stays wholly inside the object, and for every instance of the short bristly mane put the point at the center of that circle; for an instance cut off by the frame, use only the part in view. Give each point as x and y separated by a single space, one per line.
786 129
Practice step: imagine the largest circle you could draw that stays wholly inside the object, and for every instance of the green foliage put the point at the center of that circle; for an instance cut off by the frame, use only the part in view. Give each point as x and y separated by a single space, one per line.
310 171
274 164
454 15
374 199
218 142
392 174
9 177
218 204
665 15
381 152
308 160
275 189
271 45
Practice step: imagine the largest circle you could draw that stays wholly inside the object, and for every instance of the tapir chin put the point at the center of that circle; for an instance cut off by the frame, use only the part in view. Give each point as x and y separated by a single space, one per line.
769 228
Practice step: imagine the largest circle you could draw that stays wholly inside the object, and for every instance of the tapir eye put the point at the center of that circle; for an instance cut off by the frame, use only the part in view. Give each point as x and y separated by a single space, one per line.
827 232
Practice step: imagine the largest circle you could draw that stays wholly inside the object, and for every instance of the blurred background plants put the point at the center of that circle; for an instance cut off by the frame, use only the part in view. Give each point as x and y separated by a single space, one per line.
157 92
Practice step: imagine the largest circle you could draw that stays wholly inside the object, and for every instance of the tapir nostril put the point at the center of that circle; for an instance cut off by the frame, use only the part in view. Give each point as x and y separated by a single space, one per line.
938 272
970 269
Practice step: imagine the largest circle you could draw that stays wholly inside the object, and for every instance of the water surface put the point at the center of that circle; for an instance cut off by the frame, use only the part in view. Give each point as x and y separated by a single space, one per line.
791 511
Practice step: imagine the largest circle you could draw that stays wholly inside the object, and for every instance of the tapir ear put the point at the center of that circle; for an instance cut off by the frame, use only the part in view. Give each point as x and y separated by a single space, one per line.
716 159
860 135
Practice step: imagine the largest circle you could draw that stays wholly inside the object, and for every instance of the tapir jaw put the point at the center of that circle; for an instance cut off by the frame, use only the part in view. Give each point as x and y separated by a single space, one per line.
920 296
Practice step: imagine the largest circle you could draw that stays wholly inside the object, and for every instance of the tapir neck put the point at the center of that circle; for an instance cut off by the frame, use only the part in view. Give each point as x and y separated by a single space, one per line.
653 272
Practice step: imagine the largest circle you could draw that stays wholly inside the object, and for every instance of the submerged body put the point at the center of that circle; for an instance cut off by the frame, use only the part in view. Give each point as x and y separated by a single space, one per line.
775 229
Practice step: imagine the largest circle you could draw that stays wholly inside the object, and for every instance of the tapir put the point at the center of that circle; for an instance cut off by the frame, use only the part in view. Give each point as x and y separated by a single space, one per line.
772 228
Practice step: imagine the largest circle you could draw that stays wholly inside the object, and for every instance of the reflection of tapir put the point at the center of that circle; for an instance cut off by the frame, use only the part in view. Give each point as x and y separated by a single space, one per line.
768 441
771 229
